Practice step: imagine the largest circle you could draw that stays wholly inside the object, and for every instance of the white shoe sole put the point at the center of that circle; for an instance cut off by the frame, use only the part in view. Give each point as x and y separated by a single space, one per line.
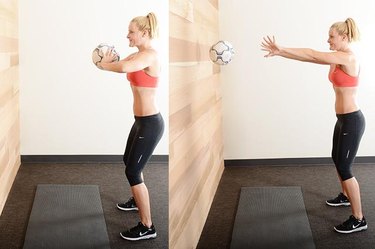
351 231
150 236
338 205
127 209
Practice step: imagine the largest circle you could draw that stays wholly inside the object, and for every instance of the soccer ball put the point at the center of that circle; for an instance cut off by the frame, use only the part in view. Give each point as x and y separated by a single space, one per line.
100 50
221 52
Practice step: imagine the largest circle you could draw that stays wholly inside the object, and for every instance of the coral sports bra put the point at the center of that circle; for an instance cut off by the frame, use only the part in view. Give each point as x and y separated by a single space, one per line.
341 79
142 79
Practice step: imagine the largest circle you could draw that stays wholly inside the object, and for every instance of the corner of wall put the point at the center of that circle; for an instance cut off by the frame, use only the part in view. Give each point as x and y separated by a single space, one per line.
195 106
9 98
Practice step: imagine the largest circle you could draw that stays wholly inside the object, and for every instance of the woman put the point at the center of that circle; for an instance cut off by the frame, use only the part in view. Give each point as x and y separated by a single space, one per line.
142 70
350 125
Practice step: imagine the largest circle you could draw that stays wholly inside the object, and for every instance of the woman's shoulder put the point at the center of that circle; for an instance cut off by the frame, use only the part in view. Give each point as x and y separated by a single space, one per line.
130 56
151 52
152 55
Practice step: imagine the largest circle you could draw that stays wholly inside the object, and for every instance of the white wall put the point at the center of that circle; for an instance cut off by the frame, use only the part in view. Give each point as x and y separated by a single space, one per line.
68 106
279 108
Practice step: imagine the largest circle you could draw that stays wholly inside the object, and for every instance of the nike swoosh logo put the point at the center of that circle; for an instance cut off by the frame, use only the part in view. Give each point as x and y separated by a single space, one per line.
141 234
356 226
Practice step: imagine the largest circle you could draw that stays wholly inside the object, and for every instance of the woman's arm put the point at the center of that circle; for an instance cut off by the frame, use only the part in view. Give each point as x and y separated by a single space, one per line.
305 54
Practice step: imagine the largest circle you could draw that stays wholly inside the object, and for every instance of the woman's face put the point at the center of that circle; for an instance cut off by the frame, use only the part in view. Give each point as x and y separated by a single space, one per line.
335 40
135 36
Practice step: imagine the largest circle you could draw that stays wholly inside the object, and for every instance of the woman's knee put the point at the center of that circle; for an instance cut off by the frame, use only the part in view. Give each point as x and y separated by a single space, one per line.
134 177
345 173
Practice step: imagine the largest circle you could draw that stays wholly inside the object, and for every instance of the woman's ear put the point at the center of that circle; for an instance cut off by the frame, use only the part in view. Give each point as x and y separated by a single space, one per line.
146 33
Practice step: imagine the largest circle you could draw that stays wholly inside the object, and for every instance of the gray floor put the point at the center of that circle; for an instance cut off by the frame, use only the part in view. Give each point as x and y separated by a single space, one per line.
113 188
318 183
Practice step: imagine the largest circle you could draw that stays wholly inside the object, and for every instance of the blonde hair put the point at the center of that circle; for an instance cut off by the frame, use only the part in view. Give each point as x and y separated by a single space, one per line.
348 28
148 23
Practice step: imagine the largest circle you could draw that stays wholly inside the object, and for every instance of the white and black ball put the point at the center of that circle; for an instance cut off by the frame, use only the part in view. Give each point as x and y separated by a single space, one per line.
221 52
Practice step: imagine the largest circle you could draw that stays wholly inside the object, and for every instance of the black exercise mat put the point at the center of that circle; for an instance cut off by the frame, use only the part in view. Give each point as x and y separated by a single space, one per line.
66 217
271 217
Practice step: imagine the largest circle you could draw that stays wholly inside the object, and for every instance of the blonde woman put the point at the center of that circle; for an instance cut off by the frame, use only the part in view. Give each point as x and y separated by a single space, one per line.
142 68
350 125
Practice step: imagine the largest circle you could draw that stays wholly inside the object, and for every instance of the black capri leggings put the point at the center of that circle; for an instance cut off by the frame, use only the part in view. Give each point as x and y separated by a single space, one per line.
347 135
144 135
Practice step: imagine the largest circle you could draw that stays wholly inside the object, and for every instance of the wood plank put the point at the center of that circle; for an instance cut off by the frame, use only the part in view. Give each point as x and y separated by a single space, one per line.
186 51
8 28
183 198
192 142
8 22
9 98
4 61
182 8
5 97
193 32
8 116
200 211
14 59
8 44
180 129
15 78
9 82
9 7
184 215
182 74
14 136
214 3
189 165
6 181
206 15
4 157
200 103
6 90
182 173
192 92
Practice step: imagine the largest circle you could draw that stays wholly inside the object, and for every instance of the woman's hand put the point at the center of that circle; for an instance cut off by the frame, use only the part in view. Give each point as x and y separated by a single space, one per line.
109 56
269 45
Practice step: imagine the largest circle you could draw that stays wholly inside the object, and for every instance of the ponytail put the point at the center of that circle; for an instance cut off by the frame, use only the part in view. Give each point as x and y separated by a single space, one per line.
153 22
353 32
148 23
348 28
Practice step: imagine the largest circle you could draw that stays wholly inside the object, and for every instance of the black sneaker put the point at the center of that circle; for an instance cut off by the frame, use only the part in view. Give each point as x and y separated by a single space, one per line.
352 225
139 232
340 200
128 206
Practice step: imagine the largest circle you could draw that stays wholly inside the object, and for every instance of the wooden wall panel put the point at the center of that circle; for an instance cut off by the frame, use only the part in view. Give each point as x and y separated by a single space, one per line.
195 119
9 98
